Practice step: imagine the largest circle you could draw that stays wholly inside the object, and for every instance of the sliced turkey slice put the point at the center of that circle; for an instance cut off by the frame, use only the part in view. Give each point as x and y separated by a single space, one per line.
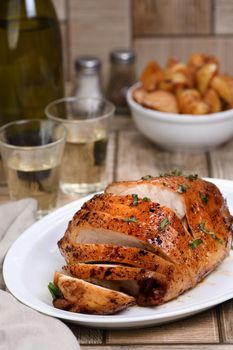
112 272
151 286
85 297
158 194
88 253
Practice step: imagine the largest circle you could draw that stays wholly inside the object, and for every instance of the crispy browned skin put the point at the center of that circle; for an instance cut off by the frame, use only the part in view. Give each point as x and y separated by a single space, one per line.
88 253
110 272
213 100
81 296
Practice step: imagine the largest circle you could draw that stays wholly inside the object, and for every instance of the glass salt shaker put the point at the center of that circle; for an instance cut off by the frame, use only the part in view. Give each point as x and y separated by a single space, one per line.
88 77
122 76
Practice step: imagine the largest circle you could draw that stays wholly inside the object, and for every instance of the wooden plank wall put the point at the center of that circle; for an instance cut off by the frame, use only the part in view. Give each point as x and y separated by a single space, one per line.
153 28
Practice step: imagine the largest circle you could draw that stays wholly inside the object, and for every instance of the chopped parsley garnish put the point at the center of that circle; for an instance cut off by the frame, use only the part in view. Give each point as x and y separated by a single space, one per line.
204 198
203 228
55 291
135 199
195 243
147 177
182 188
216 238
130 219
231 245
206 231
146 199
163 223
191 177
177 172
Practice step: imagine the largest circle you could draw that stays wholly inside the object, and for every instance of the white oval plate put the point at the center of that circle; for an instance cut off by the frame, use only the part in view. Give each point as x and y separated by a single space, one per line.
31 261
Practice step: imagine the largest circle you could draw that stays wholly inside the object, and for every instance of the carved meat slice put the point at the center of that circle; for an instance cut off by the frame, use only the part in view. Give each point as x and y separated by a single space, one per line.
88 253
148 287
85 297
159 194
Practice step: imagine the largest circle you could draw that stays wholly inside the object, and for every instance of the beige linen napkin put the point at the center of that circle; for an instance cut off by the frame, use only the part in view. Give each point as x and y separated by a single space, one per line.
22 328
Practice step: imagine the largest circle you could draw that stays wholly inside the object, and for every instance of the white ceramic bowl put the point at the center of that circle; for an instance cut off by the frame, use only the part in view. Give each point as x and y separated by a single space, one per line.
184 132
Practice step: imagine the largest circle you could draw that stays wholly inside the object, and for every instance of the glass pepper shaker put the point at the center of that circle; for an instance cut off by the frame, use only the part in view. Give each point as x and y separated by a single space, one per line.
122 76
88 77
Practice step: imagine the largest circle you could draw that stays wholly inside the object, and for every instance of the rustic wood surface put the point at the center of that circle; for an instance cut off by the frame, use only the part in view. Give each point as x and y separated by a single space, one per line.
153 17
223 17
98 27
130 157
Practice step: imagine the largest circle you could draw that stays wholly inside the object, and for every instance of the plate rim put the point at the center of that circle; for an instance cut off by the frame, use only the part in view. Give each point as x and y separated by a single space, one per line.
105 321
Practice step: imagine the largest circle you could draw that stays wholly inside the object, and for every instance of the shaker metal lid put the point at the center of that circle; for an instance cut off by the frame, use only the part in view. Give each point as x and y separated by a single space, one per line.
122 56
87 62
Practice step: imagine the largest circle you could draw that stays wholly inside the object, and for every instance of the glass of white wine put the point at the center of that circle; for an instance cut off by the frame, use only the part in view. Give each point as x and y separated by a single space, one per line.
87 121
32 153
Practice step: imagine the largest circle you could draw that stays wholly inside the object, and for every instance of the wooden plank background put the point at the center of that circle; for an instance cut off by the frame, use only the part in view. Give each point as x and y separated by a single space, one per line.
153 28
170 17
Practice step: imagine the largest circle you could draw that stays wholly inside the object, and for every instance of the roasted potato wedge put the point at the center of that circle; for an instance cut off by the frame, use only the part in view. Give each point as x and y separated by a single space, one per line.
190 102
177 79
177 75
162 101
199 59
223 88
166 86
176 66
196 60
204 76
139 94
213 100
151 76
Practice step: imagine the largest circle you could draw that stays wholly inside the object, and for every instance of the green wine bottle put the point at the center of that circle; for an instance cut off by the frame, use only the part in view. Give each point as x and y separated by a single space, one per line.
31 73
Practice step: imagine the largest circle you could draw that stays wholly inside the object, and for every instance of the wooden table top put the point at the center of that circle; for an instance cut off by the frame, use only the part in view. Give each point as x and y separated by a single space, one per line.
130 157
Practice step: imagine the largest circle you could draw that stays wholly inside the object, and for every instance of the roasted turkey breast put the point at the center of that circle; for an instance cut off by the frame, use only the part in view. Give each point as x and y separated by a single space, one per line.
154 238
